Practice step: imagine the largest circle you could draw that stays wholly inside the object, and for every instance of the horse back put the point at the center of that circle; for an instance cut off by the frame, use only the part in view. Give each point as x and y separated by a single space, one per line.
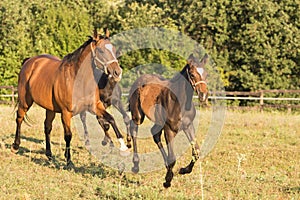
155 98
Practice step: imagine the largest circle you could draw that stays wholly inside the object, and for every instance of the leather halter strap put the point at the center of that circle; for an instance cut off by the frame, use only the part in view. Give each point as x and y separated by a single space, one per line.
104 64
192 82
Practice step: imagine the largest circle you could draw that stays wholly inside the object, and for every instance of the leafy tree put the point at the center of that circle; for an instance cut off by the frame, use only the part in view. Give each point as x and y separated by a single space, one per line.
255 44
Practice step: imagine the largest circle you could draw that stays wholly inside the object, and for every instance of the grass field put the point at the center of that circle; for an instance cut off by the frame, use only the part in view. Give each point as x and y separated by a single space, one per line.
257 157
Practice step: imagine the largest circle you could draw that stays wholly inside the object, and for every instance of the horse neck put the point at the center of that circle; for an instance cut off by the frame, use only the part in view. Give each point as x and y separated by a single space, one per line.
85 74
181 87
77 58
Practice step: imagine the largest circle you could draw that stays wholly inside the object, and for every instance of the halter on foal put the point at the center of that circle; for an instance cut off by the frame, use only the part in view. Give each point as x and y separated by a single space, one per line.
68 86
169 105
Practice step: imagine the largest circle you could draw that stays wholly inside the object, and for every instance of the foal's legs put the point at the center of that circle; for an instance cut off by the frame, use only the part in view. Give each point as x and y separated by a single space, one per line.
135 159
105 126
50 115
102 113
66 121
156 131
171 159
190 133
86 133
119 106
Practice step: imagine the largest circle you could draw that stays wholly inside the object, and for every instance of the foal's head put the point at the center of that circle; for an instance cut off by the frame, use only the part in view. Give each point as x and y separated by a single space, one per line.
197 76
104 56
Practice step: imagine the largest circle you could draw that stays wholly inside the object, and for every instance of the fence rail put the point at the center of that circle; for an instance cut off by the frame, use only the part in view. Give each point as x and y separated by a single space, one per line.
259 95
12 95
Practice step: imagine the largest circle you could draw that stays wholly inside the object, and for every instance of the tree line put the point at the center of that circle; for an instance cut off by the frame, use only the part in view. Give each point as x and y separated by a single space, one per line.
254 44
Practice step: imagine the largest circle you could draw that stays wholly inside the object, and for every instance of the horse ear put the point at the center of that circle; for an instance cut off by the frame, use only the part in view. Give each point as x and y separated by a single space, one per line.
190 59
96 36
204 61
119 52
191 56
106 32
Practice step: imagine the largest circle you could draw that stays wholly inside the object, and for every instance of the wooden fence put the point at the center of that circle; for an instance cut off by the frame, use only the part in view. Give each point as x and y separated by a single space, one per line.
10 96
261 96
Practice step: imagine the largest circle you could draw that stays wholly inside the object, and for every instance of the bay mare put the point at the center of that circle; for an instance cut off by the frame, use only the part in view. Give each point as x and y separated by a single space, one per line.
68 86
168 103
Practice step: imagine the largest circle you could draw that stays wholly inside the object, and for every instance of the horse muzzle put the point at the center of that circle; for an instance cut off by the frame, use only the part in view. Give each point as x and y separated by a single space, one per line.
202 96
115 72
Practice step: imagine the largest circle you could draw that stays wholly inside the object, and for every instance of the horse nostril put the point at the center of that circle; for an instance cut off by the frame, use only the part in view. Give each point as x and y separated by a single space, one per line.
116 73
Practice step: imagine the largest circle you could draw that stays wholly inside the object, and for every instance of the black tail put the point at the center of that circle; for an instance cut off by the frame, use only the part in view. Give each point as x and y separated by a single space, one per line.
27 120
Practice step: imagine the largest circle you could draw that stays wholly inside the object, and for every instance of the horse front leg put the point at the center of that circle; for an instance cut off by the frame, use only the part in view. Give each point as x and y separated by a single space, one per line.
119 106
190 133
66 121
101 112
50 115
105 126
171 159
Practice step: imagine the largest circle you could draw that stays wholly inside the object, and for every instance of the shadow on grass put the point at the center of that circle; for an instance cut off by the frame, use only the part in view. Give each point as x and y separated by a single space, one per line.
292 190
58 162
38 141
29 139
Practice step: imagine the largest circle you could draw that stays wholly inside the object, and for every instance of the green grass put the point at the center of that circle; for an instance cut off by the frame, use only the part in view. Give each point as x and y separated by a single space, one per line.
256 157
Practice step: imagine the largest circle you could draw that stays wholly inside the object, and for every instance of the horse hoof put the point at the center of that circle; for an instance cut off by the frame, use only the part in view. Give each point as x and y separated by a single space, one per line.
167 184
184 171
125 153
69 165
128 145
111 144
50 158
104 143
14 148
135 170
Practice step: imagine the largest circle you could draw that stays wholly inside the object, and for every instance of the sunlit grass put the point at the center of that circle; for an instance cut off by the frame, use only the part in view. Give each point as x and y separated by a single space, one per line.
256 157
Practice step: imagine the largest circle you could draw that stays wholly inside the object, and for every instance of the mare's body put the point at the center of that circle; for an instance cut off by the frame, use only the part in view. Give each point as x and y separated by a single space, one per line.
68 86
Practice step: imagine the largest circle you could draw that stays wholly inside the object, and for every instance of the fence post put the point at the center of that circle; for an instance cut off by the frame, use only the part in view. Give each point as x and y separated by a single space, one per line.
261 100
289 108
12 95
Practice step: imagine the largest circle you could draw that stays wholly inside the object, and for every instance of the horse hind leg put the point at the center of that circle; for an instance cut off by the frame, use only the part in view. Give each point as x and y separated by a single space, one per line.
135 159
20 114
156 131
86 133
171 159
19 119
50 115
128 137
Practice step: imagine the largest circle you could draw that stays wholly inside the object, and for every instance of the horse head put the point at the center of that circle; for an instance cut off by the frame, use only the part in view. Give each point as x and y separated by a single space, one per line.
197 76
104 56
